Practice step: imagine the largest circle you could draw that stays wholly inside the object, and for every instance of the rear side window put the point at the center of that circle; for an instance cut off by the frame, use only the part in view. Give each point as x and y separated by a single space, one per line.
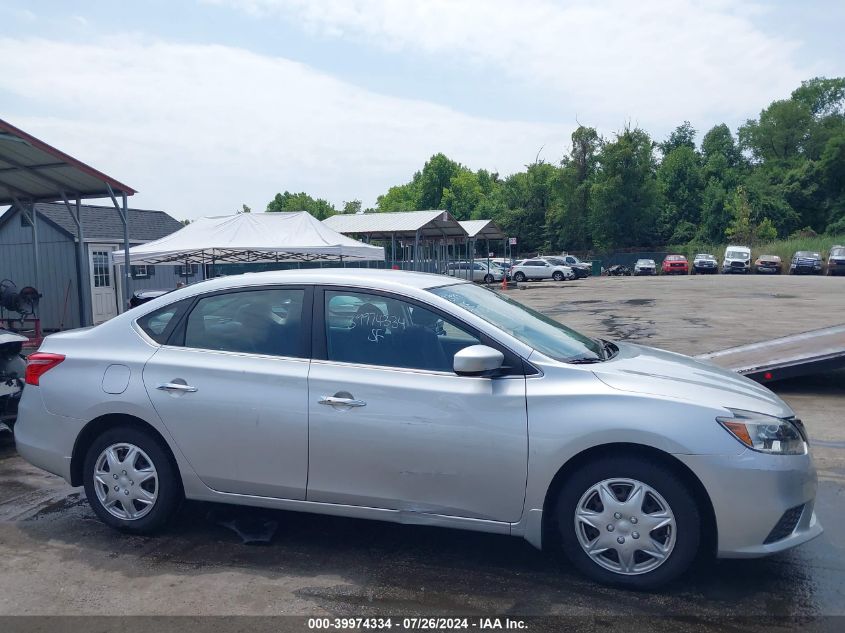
159 323
252 322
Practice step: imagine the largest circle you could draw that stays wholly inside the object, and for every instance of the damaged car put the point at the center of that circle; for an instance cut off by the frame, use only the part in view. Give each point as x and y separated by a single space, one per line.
406 397
12 369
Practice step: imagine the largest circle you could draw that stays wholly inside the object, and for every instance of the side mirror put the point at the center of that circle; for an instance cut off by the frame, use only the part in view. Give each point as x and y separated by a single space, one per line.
478 360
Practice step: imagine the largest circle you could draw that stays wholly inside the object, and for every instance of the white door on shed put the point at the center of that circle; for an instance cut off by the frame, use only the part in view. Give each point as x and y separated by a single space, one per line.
103 295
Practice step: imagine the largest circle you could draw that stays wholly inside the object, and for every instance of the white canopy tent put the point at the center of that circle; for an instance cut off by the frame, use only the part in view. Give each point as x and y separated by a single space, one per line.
252 238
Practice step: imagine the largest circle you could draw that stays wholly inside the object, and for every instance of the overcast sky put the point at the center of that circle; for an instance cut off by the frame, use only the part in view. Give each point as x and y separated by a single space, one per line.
202 105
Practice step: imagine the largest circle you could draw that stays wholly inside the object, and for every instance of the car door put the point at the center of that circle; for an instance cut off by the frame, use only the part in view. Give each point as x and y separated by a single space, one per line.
392 426
540 269
231 387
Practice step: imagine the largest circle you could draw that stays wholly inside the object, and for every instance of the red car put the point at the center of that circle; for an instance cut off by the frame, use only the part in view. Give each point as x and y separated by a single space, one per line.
675 265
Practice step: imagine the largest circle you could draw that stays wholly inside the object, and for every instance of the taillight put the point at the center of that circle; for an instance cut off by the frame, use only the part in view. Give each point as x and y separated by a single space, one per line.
40 363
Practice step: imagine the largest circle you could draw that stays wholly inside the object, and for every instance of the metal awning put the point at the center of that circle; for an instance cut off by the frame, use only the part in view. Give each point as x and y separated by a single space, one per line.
482 229
34 171
403 224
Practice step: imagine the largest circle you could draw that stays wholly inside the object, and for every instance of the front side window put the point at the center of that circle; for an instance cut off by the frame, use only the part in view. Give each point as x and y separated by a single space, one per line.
536 330
371 329
252 322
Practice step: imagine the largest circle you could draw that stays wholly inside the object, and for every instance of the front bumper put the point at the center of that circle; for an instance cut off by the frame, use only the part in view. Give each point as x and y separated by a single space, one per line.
750 494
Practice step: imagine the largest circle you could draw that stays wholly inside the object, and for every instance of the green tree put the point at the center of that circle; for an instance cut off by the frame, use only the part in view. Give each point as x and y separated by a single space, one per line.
821 95
681 136
781 133
624 196
351 206
463 195
567 222
435 177
399 197
287 201
681 185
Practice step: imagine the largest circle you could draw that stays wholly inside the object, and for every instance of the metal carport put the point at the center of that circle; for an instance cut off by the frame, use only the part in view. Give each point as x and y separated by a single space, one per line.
483 230
32 171
427 240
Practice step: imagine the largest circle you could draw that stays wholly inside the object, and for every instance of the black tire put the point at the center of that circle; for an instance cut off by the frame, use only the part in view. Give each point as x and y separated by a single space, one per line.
519 276
666 483
557 275
169 495
488 278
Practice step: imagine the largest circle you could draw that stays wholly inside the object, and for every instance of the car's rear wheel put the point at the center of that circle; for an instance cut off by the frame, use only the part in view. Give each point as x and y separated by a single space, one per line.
519 276
557 275
628 521
130 480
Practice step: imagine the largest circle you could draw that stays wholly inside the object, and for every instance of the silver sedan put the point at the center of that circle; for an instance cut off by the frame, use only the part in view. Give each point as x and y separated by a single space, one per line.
418 399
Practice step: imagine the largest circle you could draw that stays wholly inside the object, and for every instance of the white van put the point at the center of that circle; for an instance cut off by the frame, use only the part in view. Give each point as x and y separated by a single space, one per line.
737 260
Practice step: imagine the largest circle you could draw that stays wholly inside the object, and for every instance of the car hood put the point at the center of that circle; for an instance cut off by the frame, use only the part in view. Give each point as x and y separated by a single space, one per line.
647 370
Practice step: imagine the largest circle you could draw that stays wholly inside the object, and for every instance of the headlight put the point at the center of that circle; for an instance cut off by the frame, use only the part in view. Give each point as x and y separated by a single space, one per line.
764 433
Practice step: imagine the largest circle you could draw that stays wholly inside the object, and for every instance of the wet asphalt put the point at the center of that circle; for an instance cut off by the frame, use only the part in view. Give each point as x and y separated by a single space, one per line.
57 558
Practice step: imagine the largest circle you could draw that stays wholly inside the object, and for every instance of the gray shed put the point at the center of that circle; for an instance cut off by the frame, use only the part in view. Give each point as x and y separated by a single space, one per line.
73 297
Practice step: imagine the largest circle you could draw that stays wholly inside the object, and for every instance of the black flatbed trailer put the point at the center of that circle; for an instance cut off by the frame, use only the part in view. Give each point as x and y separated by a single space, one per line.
802 354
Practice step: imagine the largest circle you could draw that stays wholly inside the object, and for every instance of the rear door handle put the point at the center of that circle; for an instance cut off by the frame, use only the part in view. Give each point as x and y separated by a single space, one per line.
334 401
175 386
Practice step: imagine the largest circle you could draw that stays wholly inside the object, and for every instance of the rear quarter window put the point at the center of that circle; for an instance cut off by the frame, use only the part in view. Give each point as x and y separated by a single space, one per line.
159 323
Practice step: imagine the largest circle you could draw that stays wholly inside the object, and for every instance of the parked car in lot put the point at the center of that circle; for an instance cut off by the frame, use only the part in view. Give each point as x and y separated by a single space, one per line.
475 271
414 408
768 264
540 268
142 296
675 265
704 264
645 267
836 261
618 270
12 369
580 271
737 260
806 263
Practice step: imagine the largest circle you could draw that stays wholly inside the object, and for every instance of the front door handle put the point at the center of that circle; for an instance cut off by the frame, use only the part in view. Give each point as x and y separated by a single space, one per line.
334 401
175 386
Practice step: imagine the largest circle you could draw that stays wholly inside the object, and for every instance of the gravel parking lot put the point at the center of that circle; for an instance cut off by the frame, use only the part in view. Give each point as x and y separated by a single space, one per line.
57 558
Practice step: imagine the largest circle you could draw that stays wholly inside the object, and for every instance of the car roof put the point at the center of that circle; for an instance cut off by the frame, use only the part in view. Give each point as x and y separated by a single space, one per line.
380 278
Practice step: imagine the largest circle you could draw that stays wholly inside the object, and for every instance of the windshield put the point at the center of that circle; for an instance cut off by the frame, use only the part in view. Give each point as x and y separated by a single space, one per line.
704 256
807 254
645 262
736 255
536 330
837 252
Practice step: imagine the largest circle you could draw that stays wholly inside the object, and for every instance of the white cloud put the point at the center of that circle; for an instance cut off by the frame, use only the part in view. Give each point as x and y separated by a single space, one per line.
654 61
200 129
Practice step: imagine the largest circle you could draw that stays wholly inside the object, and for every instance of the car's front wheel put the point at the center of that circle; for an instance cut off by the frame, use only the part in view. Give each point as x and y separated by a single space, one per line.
628 521
557 276
519 276
130 480
488 278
